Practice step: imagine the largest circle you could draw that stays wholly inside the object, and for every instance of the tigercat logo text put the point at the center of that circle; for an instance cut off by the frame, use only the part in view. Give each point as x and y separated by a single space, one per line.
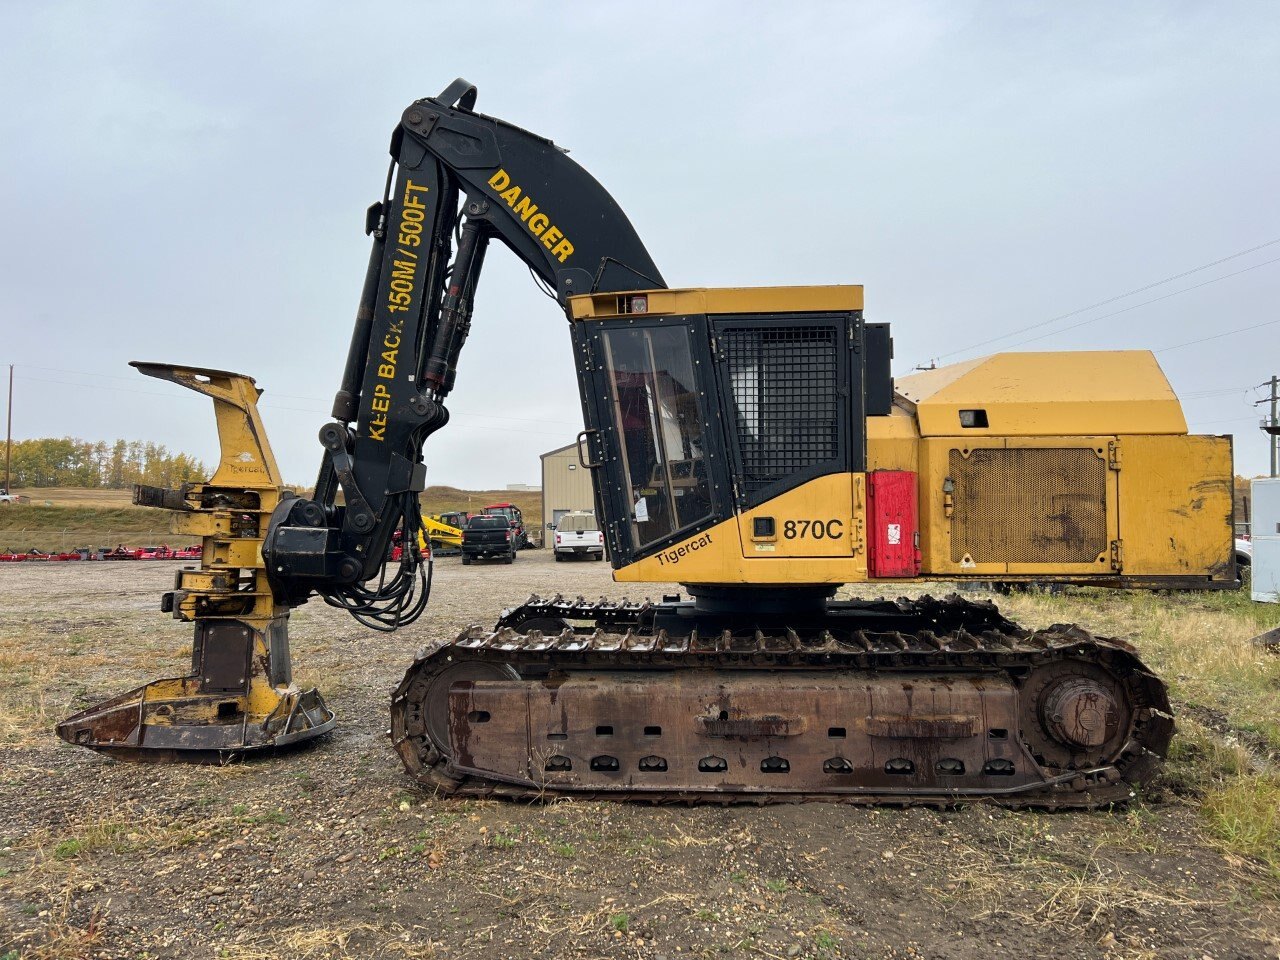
539 224
676 554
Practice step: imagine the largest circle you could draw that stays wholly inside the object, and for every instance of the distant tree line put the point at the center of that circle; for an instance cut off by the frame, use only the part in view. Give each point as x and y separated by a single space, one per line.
68 462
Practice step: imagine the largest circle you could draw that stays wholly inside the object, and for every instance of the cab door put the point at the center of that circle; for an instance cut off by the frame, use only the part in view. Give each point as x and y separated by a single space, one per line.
657 458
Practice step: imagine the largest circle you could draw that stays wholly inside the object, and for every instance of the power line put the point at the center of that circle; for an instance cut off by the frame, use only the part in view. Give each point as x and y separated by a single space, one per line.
1271 426
1218 336
1208 394
79 373
8 436
1144 303
1122 296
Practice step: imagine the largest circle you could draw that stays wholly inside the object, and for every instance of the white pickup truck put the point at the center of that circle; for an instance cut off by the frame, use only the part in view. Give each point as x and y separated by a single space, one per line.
7 498
578 534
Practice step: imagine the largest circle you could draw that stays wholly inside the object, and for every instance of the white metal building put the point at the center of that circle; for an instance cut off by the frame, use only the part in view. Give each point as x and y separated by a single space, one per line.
1266 539
566 484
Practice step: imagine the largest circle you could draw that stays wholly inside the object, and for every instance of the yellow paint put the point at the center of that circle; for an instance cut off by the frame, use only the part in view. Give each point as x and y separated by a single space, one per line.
230 583
178 700
814 520
893 442
1047 394
245 456
236 553
436 529
727 554
247 466
1166 510
412 220
717 301
1176 506
405 263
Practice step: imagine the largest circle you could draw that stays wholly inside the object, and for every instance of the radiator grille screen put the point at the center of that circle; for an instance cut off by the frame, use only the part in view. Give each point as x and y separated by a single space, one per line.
1029 506
785 395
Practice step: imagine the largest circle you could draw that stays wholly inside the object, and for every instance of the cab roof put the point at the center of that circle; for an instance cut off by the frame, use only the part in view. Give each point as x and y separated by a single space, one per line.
717 300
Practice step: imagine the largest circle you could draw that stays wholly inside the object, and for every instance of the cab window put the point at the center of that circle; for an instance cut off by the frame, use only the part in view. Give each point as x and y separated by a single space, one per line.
659 419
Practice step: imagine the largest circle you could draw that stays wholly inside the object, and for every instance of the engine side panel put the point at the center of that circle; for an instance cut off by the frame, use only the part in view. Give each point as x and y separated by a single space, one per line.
1176 507
994 506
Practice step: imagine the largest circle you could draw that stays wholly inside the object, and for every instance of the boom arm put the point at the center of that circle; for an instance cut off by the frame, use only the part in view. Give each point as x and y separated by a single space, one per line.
455 175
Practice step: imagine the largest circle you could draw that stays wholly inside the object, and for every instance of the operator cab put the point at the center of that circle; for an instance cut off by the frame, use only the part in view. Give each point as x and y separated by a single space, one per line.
700 404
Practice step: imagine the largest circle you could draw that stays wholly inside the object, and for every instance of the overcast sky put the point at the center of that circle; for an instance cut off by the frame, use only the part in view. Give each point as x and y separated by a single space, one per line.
188 184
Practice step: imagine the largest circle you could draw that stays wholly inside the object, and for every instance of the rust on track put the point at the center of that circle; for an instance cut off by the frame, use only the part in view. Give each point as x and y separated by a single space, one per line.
956 705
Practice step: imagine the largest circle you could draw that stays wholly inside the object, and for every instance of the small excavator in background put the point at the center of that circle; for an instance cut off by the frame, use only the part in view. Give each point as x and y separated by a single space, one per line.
440 532
748 443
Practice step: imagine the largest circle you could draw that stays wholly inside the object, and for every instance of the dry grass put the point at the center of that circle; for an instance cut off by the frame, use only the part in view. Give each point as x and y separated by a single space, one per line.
41 679
1201 759
64 518
120 829
1081 898
1244 814
1224 691
1199 644
1082 873
1134 830
334 942
57 527
1057 893
64 938
25 713
77 497
439 499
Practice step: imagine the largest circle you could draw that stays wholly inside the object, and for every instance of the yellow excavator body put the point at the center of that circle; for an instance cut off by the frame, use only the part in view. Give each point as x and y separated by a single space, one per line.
435 530
1046 466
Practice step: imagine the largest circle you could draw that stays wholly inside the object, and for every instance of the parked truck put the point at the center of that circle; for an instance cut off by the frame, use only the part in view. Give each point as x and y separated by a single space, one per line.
488 537
515 518
577 535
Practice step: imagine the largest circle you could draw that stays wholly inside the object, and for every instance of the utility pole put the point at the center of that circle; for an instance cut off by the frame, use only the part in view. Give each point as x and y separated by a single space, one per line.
8 436
1271 426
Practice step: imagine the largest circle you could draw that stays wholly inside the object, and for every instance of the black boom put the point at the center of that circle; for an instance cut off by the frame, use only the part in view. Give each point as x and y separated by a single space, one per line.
457 180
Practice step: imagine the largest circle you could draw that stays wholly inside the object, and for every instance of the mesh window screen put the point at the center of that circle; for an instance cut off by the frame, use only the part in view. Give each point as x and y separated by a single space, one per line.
785 395
1029 506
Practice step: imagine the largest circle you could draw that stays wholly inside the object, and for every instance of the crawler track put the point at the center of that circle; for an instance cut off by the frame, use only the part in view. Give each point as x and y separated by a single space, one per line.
888 702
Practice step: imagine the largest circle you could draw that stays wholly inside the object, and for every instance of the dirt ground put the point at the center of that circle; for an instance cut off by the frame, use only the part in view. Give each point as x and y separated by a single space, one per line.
332 852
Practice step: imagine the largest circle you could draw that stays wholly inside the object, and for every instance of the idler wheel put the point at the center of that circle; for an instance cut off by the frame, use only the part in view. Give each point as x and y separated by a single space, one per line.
1078 715
420 714
1080 712
436 700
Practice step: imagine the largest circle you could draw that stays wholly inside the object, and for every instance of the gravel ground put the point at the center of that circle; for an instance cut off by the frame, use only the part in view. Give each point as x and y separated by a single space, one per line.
331 851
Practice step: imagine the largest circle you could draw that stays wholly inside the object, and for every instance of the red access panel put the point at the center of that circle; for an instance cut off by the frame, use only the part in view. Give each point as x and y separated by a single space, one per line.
894 543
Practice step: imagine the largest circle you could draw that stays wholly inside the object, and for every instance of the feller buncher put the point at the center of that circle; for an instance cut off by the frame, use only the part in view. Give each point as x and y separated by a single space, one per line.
747 443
